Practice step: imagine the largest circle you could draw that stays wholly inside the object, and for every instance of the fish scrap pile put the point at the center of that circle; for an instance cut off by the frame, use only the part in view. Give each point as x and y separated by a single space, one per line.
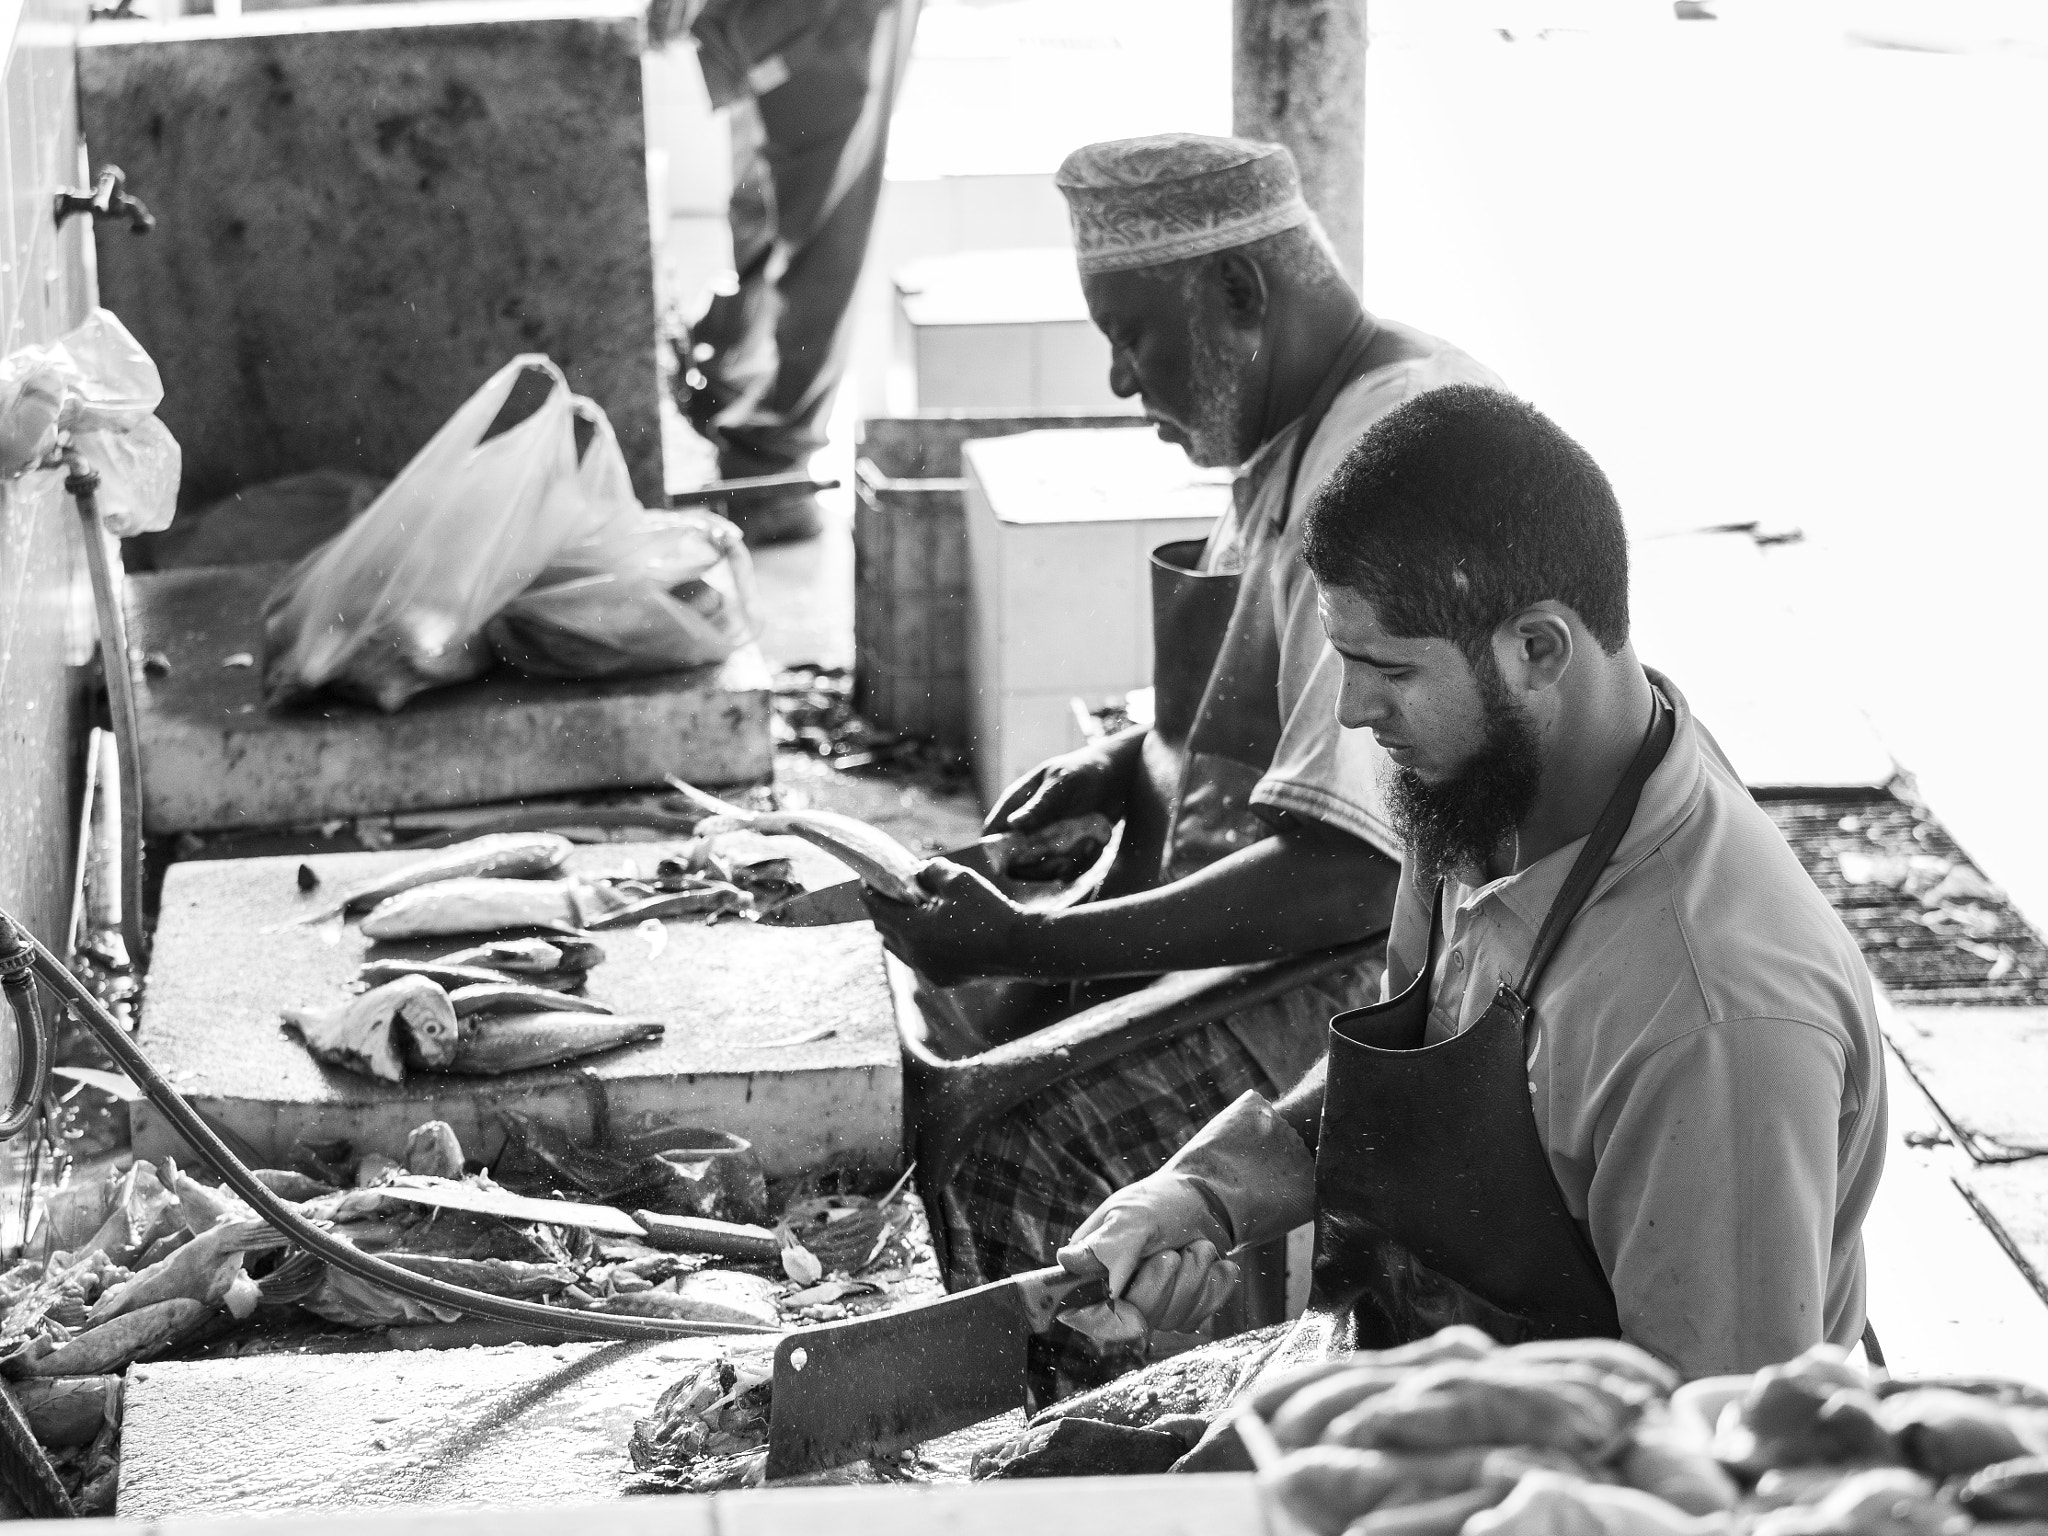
814 715
175 1265
1455 1436
1931 925
845 1256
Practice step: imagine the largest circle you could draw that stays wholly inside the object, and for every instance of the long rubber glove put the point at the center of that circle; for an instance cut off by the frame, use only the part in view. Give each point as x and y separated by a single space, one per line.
1244 1178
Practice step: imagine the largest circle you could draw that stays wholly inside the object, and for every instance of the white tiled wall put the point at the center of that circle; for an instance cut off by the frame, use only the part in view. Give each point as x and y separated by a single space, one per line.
45 288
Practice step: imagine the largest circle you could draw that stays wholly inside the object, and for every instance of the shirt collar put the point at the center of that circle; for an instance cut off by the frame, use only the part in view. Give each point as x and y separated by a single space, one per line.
1668 798
1255 473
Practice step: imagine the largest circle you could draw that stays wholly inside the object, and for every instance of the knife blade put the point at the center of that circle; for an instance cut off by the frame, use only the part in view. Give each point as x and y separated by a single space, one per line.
870 1386
991 857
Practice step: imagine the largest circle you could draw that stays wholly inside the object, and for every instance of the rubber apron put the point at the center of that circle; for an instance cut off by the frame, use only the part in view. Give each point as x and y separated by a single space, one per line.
1215 673
1435 1198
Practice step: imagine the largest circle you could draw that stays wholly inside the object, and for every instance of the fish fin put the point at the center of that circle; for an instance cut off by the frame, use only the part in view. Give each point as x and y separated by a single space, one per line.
304 920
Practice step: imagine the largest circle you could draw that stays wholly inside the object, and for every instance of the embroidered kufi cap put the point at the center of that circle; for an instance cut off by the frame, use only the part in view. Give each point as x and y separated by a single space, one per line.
1169 196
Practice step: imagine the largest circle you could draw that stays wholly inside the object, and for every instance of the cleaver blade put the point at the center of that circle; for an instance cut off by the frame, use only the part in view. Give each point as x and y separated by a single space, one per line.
870 1386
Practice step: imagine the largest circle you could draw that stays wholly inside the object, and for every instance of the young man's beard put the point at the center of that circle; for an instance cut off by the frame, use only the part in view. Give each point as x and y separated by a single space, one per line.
1458 824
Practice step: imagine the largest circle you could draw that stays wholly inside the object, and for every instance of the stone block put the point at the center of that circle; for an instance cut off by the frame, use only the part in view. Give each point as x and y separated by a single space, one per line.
365 211
745 1007
513 1425
214 757
910 565
1061 526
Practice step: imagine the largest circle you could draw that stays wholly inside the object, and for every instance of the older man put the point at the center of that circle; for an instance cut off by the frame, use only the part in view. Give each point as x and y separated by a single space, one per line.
1252 824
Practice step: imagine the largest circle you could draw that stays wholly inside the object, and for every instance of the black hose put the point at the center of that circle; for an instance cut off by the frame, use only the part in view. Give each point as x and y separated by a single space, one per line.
17 942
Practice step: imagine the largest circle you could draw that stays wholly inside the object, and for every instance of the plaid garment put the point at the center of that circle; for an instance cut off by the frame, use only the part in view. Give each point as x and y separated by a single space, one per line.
1032 1178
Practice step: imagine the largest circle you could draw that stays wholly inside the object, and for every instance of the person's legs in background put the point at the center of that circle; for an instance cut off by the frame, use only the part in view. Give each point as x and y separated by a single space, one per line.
809 141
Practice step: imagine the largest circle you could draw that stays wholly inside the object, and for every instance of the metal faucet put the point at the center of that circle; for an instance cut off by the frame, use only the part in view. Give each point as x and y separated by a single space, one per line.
110 199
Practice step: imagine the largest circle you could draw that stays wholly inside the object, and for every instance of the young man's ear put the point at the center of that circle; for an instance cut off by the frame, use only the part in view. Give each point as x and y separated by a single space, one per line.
1244 289
1538 645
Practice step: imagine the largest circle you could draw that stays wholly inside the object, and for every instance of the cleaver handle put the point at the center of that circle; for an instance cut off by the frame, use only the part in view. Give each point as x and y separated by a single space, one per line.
1043 1292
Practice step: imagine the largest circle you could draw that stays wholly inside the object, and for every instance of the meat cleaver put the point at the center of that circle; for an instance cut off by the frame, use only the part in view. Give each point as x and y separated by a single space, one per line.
1002 859
870 1386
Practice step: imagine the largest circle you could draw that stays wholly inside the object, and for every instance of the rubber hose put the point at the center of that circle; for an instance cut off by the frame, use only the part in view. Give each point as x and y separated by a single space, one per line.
83 482
19 984
14 939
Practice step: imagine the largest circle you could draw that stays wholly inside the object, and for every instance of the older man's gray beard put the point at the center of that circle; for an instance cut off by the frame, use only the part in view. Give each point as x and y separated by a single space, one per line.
1215 435
1454 827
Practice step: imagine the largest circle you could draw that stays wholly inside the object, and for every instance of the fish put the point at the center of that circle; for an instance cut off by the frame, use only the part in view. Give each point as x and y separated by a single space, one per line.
450 978
112 1345
504 854
499 997
474 904
380 1032
434 1150
494 1277
745 859
532 957
884 864
709 900
203 1270
491 1046
727 1296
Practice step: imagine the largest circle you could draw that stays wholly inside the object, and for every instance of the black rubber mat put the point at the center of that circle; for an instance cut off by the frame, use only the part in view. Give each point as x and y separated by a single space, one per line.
1932 927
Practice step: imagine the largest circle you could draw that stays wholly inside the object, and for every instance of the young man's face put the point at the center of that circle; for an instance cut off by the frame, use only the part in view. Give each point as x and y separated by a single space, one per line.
1420 698
1173 346
1466 755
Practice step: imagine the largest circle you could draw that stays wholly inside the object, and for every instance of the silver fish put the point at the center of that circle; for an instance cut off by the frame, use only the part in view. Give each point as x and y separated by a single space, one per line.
379 1032
491 1046
533 957
505 855
474 904
708 901
374 973
502 997
882 862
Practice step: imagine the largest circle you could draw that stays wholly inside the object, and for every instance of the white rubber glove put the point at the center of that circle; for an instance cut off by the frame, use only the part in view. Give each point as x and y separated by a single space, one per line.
1245 1177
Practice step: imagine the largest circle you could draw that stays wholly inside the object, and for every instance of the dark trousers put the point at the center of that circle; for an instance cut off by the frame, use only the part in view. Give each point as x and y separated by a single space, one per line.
810 134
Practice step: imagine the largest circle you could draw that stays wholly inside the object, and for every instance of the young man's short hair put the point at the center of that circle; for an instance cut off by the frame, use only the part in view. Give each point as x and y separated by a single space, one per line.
1464 506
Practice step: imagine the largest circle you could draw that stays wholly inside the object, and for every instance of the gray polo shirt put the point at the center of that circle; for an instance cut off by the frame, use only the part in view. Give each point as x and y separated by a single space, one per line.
1706 1067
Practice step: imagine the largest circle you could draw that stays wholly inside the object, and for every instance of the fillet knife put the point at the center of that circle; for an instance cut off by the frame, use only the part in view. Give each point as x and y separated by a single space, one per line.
994 858
870 1386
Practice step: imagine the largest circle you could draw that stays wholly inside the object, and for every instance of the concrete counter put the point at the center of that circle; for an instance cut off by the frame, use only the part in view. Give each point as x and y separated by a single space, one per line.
742 1004
214 757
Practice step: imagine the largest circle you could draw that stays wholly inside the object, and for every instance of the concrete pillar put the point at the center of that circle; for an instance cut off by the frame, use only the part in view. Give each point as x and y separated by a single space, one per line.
1298 78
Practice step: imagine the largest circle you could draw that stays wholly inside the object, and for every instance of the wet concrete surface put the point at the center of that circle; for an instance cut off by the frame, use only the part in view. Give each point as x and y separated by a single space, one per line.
506 1426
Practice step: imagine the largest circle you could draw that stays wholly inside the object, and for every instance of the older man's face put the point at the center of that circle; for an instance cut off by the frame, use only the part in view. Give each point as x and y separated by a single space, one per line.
1172 345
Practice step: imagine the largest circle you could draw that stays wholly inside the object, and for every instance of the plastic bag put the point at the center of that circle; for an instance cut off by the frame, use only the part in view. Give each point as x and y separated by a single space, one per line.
97 386
642 592
395 604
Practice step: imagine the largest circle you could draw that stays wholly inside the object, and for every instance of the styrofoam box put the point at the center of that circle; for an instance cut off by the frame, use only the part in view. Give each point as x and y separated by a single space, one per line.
1061 526
1002 330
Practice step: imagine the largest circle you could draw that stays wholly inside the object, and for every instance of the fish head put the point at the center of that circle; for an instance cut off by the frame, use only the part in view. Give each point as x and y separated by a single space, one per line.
426 1020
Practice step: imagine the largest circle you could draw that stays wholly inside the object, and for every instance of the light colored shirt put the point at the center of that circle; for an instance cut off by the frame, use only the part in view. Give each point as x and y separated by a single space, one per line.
1321 770
1705 1063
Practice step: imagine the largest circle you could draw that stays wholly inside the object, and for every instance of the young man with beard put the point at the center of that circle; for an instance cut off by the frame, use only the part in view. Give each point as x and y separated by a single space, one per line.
1626 1077
1252 824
